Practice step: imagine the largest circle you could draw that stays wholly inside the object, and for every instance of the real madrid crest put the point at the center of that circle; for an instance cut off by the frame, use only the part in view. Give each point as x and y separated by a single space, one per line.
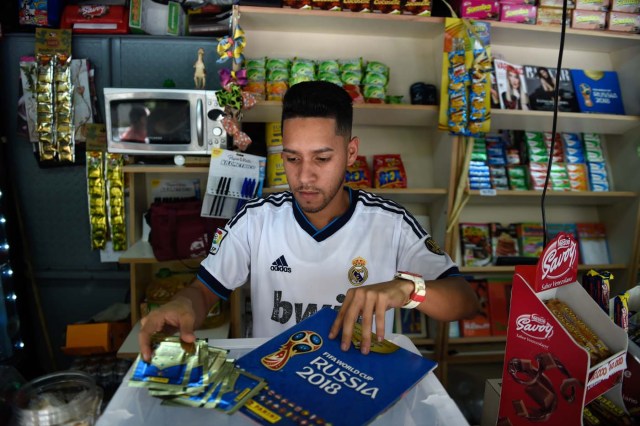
358 273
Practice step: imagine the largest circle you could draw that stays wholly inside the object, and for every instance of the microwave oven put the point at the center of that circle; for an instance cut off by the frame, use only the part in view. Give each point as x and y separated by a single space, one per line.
163 121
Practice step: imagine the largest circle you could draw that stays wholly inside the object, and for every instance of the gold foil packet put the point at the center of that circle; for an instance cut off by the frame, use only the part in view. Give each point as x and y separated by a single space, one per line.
115 194
97 196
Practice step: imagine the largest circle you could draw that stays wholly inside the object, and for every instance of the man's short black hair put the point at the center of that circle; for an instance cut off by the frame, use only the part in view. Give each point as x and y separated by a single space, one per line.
319 99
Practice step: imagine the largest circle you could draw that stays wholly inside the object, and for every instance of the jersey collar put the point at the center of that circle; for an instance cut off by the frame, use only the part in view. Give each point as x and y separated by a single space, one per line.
333 226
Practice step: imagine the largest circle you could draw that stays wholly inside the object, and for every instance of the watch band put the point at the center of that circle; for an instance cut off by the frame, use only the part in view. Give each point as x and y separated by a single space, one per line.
419 292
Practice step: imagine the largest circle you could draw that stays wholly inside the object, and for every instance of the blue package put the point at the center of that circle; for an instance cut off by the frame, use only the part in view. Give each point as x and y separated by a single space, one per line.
598 91
599 186
40 13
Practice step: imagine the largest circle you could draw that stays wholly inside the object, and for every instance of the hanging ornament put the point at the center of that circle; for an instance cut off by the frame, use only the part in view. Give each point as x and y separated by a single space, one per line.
232 98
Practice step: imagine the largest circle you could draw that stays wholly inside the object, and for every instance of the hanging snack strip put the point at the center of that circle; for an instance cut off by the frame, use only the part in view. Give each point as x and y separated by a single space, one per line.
97 198
63 108
55 109
44 99
480 79
458 80
464 102
115 193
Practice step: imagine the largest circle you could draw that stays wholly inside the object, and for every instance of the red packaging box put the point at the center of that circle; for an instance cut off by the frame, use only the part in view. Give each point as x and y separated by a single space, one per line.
96 19
624 22
480 9
588 19
499 299
518 13
548 377
479 325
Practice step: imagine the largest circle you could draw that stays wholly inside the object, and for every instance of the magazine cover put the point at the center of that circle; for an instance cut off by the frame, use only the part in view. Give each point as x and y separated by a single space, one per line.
495 96
310 380
598 91
512 86
475 243
541 86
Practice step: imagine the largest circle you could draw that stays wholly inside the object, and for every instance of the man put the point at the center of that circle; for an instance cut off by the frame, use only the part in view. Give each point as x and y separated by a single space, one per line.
321 244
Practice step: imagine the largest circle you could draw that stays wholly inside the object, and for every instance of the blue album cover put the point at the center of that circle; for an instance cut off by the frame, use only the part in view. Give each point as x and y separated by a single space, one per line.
598 91
310 380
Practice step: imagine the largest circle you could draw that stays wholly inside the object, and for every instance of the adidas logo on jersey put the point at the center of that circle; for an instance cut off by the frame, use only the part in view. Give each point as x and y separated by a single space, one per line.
280 265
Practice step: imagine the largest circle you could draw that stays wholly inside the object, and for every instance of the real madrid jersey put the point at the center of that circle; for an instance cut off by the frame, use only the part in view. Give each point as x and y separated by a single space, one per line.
296 269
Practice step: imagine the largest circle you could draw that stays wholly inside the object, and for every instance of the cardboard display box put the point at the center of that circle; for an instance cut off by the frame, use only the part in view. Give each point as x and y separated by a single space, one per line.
548 377
95 338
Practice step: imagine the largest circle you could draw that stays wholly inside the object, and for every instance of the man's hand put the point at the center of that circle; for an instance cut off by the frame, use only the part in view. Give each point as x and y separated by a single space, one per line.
176 315
362 303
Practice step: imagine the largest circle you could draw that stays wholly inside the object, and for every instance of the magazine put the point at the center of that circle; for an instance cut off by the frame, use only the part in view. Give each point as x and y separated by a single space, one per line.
310 380
512 86
541 88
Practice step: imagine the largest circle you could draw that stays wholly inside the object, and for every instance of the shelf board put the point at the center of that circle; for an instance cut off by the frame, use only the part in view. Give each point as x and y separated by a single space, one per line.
584 198
511 269
427 27
399 195
475 340
363 114
285 20
476 358
140 252
521 35
567 121
422 341
427 116
163 168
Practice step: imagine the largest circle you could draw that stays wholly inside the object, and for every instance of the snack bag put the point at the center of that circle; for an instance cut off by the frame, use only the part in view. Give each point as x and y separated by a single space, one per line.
388 171
358 175
465 101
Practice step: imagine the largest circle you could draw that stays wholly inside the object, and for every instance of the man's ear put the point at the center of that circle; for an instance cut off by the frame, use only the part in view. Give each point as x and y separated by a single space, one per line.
352 150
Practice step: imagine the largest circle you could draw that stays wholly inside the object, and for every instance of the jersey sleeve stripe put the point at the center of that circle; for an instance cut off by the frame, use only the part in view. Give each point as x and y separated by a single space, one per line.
372 200
275 199
213 284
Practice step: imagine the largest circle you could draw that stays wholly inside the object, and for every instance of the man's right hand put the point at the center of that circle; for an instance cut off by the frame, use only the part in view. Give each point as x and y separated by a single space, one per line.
176 315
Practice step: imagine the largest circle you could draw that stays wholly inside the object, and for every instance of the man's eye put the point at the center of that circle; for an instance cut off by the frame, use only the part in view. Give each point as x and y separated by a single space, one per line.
290 159
323 159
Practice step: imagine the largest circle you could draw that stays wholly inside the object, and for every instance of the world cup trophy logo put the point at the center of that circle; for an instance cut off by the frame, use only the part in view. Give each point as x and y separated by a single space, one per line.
299 343
585 91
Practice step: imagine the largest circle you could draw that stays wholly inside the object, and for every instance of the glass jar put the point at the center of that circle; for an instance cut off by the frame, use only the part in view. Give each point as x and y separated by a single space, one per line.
63 398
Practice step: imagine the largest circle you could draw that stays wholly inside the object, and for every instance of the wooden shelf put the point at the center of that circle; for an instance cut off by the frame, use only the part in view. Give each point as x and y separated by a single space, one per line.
162 168
284 20
584 198
478 339
567 121
520 35
476 357
422 341
399 195
363 114
511 269
502 33
140 252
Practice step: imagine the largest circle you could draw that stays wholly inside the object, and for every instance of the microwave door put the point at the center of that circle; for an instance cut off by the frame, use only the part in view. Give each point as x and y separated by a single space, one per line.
199 122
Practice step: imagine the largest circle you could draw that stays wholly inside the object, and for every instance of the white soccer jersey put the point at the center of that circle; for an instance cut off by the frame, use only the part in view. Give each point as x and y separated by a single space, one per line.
296 269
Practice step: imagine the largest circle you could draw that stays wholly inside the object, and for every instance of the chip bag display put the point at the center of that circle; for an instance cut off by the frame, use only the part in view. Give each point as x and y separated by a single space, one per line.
388 171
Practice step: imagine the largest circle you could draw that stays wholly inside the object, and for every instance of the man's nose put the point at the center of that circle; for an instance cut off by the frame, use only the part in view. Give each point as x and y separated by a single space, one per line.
307 172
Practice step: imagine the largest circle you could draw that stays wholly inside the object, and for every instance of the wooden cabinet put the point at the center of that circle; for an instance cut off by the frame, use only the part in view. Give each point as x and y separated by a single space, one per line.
617 209
412 47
